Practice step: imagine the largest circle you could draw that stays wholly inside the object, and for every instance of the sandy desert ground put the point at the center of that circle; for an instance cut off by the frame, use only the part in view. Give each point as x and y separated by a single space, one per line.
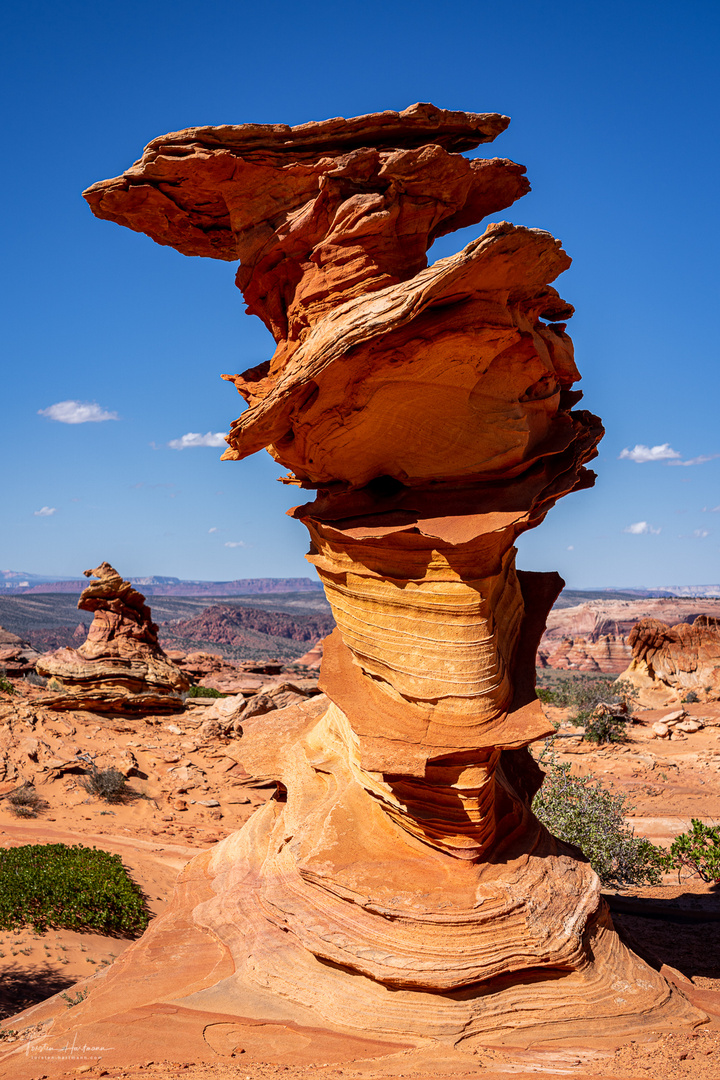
195 791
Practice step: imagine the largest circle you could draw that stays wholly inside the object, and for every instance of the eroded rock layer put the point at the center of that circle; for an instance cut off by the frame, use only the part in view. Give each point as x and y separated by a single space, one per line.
121 665
670 662
400 883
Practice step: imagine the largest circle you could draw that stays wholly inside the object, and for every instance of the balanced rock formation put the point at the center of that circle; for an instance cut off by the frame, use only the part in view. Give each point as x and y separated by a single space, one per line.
399 887
120 667
669 662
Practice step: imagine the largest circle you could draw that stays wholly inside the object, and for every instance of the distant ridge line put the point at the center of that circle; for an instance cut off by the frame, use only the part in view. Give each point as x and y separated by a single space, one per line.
166 586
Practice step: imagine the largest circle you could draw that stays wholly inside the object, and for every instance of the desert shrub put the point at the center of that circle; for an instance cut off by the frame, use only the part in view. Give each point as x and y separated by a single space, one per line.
5 685
581 811
72 888
108 784
74 999
690 698
583 694
25 802
34 679
585 698
606 727
698 849
204 691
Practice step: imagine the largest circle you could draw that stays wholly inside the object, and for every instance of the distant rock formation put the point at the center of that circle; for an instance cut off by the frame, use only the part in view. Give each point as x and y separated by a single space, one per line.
17 657
312 658
593 636
121 666
399 886
247 631
670 662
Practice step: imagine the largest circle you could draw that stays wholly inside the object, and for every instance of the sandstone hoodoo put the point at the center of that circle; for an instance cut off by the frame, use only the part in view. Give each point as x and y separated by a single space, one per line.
670 662
120 667
399 888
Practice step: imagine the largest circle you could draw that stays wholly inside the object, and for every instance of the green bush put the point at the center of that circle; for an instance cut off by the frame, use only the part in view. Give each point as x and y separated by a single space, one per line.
606 727
583 696
71 888
204 691
5 685
698 849
690 698
581 811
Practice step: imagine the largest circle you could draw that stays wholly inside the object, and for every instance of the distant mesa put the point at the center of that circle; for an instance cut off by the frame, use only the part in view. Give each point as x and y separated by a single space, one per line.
15 583
121 667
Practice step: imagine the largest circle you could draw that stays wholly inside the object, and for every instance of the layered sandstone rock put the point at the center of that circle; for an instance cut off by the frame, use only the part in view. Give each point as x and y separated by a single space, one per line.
670 662
399 885
593 636
120 667
608 654
17 657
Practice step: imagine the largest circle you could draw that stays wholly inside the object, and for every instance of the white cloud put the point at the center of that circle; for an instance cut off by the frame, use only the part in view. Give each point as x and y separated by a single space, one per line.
571 547
641 453
214 529
701 533
45 511
711 509
639 528
696 460
235 543
193 439
77 412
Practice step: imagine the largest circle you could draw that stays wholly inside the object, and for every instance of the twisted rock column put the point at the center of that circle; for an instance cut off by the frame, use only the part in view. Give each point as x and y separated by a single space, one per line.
400 883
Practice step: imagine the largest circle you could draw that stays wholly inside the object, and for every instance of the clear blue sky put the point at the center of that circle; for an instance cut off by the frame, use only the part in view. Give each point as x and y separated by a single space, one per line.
614 112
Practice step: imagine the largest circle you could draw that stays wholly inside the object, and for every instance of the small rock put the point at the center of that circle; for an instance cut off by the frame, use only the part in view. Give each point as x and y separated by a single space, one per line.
173 729
689 726
213 729
258 706
673 717
208 802
660 730
179 804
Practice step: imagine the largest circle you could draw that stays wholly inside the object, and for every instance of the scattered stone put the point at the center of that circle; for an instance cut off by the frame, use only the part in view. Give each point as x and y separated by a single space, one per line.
689 726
